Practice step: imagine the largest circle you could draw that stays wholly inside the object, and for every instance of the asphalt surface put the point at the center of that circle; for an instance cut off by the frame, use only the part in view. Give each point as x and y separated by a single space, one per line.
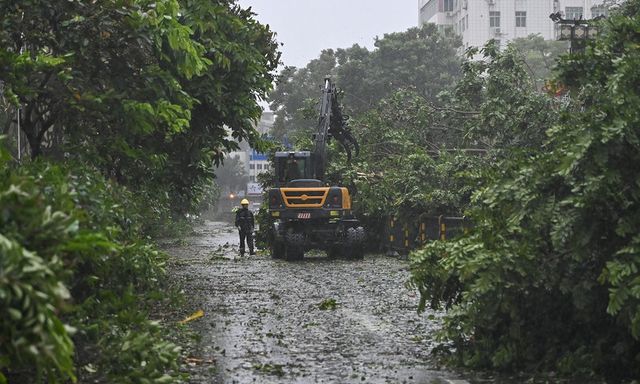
314 321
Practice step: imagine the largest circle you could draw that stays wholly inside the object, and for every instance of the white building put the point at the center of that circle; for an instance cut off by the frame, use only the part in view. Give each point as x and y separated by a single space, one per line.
479 21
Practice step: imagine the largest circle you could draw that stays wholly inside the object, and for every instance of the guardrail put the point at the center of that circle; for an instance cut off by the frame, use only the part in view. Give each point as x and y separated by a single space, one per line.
403 236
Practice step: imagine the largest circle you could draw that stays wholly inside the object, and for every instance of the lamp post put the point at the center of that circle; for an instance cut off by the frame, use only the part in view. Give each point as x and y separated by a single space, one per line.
576 31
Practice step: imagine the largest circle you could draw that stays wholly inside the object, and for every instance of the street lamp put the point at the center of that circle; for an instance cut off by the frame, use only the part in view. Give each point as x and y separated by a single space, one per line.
566 31
592 32
576 31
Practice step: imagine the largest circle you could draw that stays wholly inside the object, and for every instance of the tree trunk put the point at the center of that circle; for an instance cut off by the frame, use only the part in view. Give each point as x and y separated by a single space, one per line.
29 128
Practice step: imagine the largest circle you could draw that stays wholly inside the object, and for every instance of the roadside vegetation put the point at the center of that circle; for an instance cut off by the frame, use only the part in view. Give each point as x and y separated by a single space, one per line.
78 279
548 278
126 108
538 148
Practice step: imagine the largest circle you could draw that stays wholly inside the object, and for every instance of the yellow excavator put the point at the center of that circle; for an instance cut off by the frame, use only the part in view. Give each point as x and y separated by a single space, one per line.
307 212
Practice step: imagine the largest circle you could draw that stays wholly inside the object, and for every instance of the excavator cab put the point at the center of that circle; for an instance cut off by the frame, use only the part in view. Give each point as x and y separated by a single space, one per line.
290 166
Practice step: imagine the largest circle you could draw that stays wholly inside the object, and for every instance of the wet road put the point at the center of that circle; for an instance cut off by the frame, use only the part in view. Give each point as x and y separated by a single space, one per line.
314 321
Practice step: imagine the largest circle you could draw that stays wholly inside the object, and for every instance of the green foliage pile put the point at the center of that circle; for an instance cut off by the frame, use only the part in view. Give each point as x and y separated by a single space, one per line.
263 217
401 171
328 304
548 278
74 273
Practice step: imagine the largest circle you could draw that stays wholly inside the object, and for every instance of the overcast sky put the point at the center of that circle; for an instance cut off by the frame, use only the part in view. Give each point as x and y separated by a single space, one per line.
306 27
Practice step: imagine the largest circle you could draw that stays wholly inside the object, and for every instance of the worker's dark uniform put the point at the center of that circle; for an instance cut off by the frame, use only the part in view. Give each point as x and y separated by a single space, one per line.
244 222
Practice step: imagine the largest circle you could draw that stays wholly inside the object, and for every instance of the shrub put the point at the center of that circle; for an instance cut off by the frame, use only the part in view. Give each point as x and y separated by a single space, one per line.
65 229
31 295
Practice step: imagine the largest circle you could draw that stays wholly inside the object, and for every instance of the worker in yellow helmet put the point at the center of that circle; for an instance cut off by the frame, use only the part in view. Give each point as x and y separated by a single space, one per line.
245 224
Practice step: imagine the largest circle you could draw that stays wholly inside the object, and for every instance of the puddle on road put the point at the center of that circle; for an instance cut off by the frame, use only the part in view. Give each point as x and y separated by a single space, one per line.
264 322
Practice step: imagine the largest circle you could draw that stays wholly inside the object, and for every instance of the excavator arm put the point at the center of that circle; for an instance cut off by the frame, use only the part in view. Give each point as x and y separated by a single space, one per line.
331 123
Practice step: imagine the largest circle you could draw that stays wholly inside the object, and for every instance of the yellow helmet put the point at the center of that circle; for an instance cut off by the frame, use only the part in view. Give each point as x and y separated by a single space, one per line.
244 202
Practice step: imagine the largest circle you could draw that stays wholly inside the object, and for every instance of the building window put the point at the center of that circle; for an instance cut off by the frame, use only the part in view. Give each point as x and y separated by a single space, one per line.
494 19
259 166
448 6
599 11
252 166
573 13
252 179
521 19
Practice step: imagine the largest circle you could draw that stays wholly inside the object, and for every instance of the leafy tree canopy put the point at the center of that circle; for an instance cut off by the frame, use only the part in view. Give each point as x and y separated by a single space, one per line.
420 58
148 91
540 55
420 157
548 278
